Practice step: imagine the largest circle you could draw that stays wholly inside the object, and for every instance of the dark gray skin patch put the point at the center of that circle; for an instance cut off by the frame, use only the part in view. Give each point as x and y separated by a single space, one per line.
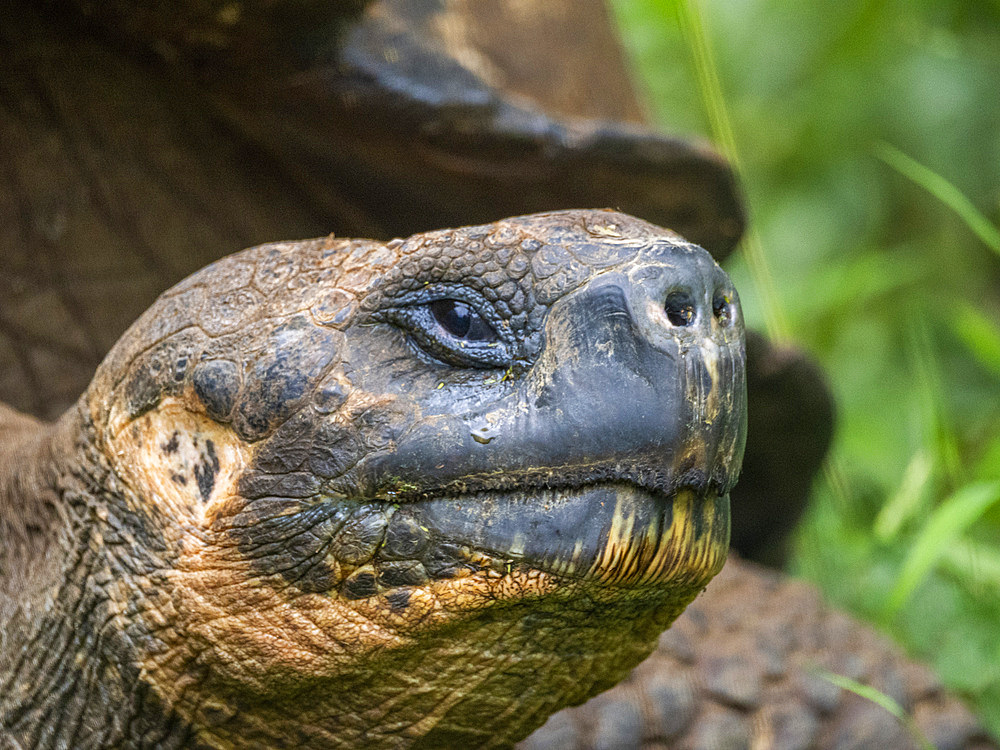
294 359
207 469
289 538
158 372
179 479
404 573
398 600
217 383
360 585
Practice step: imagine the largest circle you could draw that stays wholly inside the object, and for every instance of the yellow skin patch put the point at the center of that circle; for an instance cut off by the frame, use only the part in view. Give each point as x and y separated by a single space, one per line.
163 452
653 557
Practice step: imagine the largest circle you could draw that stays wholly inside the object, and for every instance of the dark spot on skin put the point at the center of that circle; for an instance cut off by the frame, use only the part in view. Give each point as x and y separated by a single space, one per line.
316 579
360 537
398 600
296 357
142 392
180 368
179 479
157 373
404 573
445 560
360 585
205 471
404 539
171 445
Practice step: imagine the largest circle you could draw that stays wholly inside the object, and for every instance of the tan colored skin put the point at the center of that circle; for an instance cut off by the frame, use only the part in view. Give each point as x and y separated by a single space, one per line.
174 619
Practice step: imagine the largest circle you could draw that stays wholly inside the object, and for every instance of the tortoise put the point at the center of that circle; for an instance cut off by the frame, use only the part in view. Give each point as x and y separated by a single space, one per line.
356 494
324 137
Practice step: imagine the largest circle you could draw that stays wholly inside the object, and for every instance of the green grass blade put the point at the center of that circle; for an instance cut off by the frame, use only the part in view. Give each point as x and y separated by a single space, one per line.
879 698
944 191
975 562
952 517
985 467
939 435
908 499
979 333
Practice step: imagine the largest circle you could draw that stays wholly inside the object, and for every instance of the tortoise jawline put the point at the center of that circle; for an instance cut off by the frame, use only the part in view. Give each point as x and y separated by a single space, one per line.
615 534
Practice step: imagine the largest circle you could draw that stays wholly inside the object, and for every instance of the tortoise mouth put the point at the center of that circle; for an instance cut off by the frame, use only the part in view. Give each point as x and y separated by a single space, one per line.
615 534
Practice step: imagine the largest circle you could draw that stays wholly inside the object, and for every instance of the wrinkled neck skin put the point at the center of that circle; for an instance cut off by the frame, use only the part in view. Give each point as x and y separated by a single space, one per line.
35 531
67 673
24 505
96 564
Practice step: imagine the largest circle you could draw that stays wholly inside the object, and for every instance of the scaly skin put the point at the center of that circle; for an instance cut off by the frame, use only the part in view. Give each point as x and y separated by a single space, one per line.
293 510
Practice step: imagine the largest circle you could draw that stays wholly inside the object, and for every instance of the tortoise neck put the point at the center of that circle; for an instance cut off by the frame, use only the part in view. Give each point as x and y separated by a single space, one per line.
30 518
35 549
67 676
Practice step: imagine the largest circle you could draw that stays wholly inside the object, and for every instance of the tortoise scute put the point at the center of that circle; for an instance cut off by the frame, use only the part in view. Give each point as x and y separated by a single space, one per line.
217 383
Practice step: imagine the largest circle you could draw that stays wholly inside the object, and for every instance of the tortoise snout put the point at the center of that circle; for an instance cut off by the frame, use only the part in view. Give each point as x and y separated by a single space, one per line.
640 378
681 295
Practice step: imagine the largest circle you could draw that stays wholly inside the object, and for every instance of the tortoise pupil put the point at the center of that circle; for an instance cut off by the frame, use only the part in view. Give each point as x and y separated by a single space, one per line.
454 317
461 321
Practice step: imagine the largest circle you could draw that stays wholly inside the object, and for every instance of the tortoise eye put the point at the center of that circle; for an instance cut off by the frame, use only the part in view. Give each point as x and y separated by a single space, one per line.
458 332
462 321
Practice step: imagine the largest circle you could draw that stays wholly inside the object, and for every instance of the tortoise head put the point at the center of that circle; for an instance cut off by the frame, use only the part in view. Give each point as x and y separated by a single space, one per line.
425 491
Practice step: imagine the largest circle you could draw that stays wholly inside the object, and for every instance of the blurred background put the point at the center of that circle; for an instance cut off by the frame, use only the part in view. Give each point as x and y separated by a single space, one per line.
867 134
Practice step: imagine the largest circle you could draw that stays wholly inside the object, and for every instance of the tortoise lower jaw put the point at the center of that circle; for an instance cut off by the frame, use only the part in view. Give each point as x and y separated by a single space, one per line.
614 534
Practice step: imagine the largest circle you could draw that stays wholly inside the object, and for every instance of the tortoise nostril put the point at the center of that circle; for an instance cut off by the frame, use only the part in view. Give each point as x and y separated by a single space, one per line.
680 308
722 307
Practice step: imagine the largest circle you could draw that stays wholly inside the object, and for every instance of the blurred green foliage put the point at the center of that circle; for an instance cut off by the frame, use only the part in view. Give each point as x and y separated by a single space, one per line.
868 135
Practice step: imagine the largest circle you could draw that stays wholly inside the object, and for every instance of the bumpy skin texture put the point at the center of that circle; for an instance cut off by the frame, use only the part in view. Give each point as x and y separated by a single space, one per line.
742 668
301 510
